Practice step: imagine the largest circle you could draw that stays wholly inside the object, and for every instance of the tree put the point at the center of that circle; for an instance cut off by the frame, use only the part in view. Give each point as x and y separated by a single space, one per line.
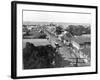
77 30
38 56
71 29
58 30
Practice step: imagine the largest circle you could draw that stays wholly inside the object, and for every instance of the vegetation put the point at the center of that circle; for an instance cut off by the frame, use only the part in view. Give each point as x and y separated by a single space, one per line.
78 30
59 30
38 57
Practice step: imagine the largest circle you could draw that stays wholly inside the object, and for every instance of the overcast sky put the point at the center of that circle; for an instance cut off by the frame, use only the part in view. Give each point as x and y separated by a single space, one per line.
34 16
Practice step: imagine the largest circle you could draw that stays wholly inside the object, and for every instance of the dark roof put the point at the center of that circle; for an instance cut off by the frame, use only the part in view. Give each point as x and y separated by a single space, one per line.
82 39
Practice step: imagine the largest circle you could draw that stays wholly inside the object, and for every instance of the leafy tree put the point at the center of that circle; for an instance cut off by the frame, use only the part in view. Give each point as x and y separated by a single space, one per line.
77 30
38 56
59 30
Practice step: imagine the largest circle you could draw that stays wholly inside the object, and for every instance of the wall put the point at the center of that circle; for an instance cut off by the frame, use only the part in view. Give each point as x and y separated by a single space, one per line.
5 39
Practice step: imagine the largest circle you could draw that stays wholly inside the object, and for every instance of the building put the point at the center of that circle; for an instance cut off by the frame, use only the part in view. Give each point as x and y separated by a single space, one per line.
81 41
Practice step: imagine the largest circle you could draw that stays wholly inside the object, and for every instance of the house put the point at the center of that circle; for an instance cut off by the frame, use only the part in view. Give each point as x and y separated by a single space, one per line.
81 41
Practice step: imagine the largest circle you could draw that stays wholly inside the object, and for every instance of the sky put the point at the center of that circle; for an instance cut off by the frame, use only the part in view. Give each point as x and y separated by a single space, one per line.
38 16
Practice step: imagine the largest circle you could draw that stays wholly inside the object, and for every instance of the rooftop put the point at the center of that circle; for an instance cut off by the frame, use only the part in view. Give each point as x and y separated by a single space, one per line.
82 39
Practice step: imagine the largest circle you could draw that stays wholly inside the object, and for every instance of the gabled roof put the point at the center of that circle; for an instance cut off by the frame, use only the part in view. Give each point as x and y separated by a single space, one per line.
82 39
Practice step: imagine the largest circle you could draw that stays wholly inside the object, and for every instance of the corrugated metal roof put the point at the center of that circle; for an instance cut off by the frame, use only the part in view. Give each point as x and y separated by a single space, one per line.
82 39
